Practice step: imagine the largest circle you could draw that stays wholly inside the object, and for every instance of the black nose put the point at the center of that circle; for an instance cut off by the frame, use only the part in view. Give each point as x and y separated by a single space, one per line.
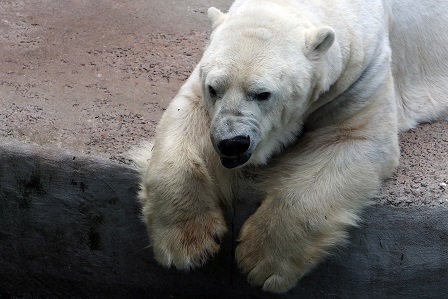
234 146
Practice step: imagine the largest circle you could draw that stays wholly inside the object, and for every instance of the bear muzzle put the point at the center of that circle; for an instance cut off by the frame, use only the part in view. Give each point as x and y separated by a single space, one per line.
234 151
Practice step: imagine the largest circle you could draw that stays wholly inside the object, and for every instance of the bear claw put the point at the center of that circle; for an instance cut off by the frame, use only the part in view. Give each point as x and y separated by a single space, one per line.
190 244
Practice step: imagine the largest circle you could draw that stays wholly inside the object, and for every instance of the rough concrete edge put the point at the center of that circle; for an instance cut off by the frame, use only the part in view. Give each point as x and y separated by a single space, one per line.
69 227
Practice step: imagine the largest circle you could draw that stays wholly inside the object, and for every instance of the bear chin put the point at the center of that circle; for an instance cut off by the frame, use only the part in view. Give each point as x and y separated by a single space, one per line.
234 161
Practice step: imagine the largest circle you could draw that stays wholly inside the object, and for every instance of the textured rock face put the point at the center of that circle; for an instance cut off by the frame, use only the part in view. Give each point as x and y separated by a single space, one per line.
69 226
94 78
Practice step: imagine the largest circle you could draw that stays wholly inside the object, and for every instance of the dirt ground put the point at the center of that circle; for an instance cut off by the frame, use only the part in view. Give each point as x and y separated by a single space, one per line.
95 77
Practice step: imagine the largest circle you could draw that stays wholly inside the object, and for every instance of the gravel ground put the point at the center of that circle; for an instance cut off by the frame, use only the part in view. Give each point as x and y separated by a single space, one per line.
422 176
95 77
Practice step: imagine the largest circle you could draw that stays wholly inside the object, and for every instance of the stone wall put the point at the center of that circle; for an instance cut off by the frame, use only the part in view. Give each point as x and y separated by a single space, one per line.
70 228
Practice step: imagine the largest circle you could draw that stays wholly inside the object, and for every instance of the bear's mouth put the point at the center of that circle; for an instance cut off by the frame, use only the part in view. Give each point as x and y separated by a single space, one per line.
232 162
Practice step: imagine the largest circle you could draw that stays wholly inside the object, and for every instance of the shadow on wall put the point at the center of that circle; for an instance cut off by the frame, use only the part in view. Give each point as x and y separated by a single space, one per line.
69 227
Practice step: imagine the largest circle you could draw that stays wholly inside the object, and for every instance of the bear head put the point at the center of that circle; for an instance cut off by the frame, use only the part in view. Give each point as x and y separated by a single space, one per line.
259 75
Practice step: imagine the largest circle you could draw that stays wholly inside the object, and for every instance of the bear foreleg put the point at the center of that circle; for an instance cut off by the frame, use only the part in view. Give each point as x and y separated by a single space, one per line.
312 197
179 196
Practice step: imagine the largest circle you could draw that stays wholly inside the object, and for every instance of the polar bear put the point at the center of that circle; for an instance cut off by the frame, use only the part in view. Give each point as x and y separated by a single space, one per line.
308 96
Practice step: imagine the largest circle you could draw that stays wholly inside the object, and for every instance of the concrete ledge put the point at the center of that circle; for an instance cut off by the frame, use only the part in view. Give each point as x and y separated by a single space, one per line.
69 228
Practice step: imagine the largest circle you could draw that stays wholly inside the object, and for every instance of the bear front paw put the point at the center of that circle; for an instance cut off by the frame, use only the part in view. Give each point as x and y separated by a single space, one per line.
266 261
188 243
272 275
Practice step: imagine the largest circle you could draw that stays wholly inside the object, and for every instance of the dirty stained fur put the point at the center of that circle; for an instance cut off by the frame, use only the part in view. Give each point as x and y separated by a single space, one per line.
353 73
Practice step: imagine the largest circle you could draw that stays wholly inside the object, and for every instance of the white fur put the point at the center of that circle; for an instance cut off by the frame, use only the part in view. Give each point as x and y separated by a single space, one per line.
141 156
419 36
353 73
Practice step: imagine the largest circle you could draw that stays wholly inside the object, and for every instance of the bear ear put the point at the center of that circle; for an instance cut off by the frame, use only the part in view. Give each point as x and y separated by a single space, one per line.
215 17
318 41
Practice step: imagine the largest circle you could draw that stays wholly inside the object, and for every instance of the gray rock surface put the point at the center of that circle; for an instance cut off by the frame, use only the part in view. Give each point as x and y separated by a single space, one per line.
69 228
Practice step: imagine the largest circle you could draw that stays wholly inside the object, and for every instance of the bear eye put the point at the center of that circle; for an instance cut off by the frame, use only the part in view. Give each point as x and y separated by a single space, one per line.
263 96
212 91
